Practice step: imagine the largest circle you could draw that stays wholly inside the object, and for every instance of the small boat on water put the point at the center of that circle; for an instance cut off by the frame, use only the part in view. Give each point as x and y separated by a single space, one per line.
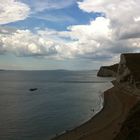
33 89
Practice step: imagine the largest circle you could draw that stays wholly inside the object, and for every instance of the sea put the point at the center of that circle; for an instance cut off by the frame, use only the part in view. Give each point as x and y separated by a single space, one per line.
60 100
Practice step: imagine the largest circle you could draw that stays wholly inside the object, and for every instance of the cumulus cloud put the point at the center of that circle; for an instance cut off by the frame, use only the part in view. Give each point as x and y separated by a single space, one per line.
124 15
124 23
39 44
58 44
12 10
102 39
25 43
96 40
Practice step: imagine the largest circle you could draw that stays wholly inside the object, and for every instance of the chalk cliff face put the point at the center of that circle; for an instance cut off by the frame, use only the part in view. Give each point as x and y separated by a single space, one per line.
123 70
128 79
108 71
129 70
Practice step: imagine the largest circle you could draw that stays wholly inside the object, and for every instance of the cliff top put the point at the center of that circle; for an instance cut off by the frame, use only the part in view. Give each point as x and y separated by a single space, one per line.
112 67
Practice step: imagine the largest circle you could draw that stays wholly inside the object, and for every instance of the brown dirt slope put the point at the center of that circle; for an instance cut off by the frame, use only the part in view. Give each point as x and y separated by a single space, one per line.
131 127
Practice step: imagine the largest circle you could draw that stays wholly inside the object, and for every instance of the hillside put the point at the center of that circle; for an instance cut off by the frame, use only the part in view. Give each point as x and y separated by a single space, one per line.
108 71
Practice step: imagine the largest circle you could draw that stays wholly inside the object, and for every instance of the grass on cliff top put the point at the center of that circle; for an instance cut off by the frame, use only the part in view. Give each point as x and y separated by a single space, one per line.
112 67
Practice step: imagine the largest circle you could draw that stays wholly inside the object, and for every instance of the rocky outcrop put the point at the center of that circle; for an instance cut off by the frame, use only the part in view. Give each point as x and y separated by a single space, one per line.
108 71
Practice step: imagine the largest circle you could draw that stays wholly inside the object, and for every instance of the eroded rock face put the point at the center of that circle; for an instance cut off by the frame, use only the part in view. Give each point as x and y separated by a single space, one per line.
108 71
129 69
123 71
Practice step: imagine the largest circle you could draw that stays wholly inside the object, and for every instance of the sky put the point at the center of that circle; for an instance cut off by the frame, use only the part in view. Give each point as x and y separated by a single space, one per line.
67 34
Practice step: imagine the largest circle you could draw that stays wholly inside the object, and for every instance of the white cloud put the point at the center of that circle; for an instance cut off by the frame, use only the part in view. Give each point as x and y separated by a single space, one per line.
137 19
102 39
124 23
123 14
26 43
97 30
96 41
82 42
12 10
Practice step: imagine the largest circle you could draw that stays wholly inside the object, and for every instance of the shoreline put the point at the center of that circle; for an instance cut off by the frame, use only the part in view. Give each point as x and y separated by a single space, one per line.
95 112
106 123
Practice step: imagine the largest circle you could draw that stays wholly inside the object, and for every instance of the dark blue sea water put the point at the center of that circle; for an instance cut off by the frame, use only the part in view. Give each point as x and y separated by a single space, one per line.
64 100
